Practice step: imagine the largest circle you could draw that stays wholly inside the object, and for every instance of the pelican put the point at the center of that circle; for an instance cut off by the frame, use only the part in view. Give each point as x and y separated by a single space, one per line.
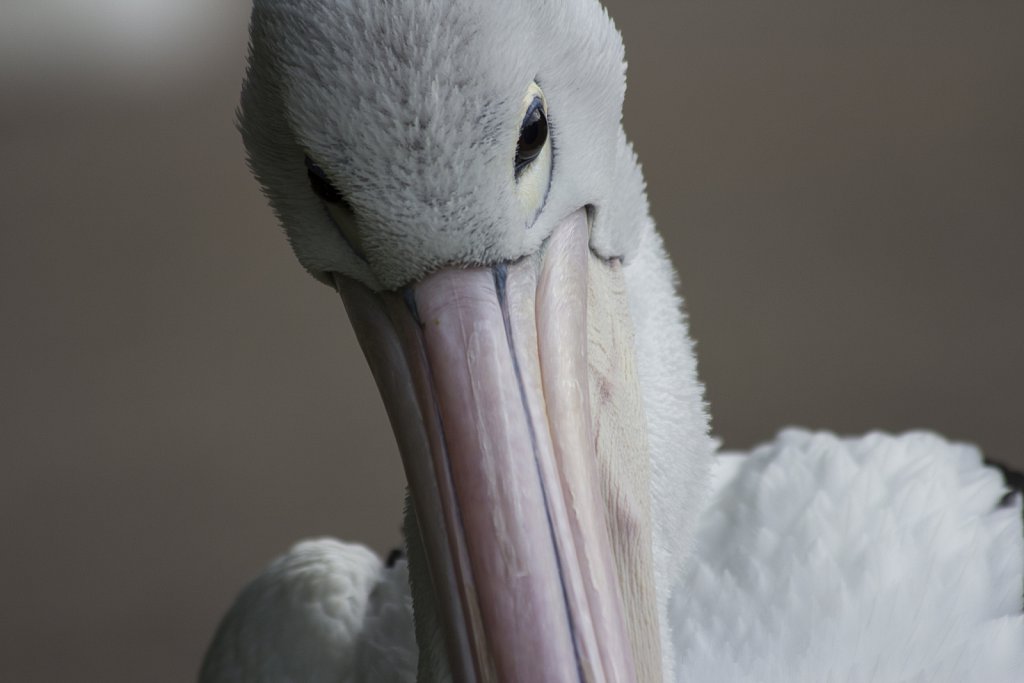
458 171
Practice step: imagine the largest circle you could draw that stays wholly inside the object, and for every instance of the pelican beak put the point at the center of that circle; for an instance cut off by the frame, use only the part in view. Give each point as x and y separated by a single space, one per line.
484 373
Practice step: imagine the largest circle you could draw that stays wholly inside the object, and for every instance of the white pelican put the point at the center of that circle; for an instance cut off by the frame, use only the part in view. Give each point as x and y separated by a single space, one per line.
458 171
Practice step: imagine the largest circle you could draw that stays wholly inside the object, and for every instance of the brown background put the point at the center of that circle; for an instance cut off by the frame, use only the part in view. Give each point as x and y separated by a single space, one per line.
841 185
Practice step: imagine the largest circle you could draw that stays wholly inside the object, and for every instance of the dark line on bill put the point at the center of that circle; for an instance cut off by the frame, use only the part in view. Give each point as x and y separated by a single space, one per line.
500 285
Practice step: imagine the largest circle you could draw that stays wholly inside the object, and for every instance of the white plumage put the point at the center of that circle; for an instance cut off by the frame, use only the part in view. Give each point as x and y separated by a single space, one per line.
881 558
302 618
817 558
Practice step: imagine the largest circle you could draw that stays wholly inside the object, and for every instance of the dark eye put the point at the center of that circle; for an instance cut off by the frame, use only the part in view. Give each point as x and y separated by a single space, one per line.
532 135
321 184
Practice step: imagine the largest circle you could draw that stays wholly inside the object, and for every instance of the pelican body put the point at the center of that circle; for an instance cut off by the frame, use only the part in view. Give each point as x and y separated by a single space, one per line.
457 170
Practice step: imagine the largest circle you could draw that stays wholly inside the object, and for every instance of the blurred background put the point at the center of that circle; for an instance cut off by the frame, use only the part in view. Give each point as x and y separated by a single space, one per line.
841 185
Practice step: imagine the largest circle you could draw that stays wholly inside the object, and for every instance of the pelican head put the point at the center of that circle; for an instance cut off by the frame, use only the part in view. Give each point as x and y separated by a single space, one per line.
458 171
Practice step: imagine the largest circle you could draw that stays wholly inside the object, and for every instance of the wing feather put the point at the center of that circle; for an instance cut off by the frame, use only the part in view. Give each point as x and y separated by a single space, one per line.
302 619
881 558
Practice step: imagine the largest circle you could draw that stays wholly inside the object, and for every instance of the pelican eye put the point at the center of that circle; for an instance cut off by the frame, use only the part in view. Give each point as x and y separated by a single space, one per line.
322 185
533 135
339 210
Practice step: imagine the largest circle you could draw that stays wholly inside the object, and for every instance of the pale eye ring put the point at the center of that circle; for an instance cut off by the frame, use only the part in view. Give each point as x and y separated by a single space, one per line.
533 169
